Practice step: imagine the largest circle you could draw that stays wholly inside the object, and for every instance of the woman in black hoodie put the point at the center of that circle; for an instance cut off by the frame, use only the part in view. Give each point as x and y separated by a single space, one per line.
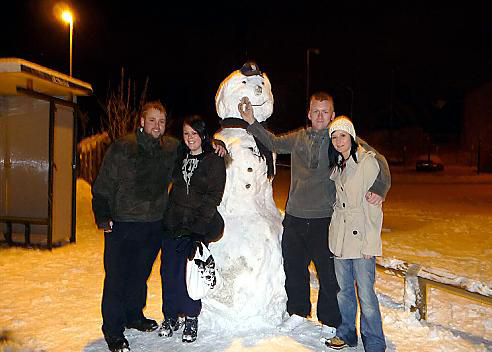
192 218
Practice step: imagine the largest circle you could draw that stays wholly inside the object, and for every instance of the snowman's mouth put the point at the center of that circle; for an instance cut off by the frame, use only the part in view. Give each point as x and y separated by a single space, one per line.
259 104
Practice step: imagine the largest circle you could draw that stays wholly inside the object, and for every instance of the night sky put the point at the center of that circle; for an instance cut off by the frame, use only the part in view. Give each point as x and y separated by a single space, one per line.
388 67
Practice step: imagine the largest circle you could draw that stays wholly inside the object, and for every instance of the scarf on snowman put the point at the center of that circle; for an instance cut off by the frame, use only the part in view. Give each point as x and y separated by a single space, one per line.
267 155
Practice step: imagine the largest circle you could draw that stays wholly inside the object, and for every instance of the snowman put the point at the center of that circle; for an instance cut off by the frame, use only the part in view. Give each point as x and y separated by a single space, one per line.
248 256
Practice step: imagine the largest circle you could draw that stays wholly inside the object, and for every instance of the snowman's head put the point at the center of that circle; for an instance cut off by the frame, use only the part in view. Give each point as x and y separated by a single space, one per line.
246 82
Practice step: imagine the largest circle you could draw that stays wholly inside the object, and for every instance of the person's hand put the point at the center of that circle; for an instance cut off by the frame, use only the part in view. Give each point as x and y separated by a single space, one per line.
107 226
373 198
246 110
219 149
195 245
365 256
181 234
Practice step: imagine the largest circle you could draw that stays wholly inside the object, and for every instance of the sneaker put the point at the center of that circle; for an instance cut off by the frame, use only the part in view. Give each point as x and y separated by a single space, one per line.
117 343
190 330
292 323
143 324
336 343
169 325
327 332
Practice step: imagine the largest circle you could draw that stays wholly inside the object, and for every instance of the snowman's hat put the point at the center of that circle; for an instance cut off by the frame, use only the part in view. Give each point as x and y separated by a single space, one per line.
250 68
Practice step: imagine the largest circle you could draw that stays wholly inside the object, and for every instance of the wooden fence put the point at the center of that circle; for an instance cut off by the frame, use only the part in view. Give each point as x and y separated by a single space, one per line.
90 154
419 279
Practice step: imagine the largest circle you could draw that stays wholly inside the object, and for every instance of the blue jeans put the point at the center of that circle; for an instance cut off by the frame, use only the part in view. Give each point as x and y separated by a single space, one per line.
362 271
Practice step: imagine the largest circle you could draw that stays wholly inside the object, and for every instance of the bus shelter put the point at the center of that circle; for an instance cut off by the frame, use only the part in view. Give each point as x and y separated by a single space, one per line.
38 129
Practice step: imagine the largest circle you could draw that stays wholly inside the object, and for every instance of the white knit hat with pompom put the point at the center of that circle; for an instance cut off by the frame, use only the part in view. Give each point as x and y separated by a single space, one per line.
342 123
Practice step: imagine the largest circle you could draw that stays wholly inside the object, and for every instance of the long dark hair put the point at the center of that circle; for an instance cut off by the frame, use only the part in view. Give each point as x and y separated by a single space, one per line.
198 124
336 158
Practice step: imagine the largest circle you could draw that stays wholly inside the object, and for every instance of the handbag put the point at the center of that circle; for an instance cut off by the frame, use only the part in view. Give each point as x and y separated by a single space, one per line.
201 276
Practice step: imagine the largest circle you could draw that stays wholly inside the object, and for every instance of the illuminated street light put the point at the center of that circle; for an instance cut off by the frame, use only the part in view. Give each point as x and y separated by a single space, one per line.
68 17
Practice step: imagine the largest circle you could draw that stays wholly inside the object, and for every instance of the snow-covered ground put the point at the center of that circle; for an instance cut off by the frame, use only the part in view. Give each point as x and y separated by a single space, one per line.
50 301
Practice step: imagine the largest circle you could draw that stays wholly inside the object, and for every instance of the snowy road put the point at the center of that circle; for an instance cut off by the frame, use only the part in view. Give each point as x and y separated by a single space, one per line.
50 301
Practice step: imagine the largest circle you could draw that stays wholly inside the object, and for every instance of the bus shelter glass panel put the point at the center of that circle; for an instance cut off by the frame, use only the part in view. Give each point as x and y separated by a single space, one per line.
24 160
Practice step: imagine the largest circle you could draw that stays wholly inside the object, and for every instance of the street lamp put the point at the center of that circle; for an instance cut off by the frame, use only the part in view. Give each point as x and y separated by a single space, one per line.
308 51
68 17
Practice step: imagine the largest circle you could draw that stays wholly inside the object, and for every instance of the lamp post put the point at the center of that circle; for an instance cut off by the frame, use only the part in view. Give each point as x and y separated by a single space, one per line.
67 17
308 51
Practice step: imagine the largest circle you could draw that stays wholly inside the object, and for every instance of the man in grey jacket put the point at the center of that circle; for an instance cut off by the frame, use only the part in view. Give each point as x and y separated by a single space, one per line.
309 209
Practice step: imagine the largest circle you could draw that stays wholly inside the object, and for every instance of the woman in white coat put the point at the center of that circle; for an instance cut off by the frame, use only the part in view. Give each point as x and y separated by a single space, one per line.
355 238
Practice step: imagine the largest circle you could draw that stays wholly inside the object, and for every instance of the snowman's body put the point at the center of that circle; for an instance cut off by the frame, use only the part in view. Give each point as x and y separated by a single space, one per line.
249 255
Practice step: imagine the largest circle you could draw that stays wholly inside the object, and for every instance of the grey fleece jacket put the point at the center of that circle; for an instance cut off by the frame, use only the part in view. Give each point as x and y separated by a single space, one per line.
312 193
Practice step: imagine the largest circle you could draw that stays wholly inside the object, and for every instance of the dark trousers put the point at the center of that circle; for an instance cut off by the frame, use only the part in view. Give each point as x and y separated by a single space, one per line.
175 299
303 241
129 253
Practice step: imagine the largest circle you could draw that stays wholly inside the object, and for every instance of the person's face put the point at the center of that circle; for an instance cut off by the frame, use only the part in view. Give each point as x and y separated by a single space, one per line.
154 123
342 142
320 113
192 139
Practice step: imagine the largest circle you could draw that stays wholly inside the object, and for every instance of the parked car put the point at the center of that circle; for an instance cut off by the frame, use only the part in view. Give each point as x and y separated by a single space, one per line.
429 164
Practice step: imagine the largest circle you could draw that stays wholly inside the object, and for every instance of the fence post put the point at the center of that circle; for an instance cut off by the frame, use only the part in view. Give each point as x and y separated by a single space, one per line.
414 295
422 302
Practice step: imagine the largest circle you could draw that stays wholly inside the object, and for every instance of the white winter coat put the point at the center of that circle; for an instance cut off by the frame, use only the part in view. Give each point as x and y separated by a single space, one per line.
355 227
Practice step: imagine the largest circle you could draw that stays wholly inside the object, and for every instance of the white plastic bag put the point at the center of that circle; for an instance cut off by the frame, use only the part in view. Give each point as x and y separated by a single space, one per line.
201 276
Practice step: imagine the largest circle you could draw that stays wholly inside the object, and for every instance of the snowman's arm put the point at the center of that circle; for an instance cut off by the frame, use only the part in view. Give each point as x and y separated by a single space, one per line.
216 177
282 144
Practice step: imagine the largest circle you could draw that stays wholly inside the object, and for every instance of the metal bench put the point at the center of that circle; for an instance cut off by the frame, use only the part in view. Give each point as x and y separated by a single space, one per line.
26 221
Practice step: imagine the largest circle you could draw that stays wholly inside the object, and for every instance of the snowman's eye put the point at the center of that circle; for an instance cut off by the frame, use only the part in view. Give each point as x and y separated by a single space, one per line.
262 83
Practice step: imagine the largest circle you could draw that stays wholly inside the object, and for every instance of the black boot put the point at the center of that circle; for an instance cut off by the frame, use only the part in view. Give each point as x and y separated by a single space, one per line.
117 343
190 330
143 324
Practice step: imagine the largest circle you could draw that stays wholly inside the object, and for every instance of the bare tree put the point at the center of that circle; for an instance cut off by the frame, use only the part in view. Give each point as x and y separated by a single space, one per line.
122 109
